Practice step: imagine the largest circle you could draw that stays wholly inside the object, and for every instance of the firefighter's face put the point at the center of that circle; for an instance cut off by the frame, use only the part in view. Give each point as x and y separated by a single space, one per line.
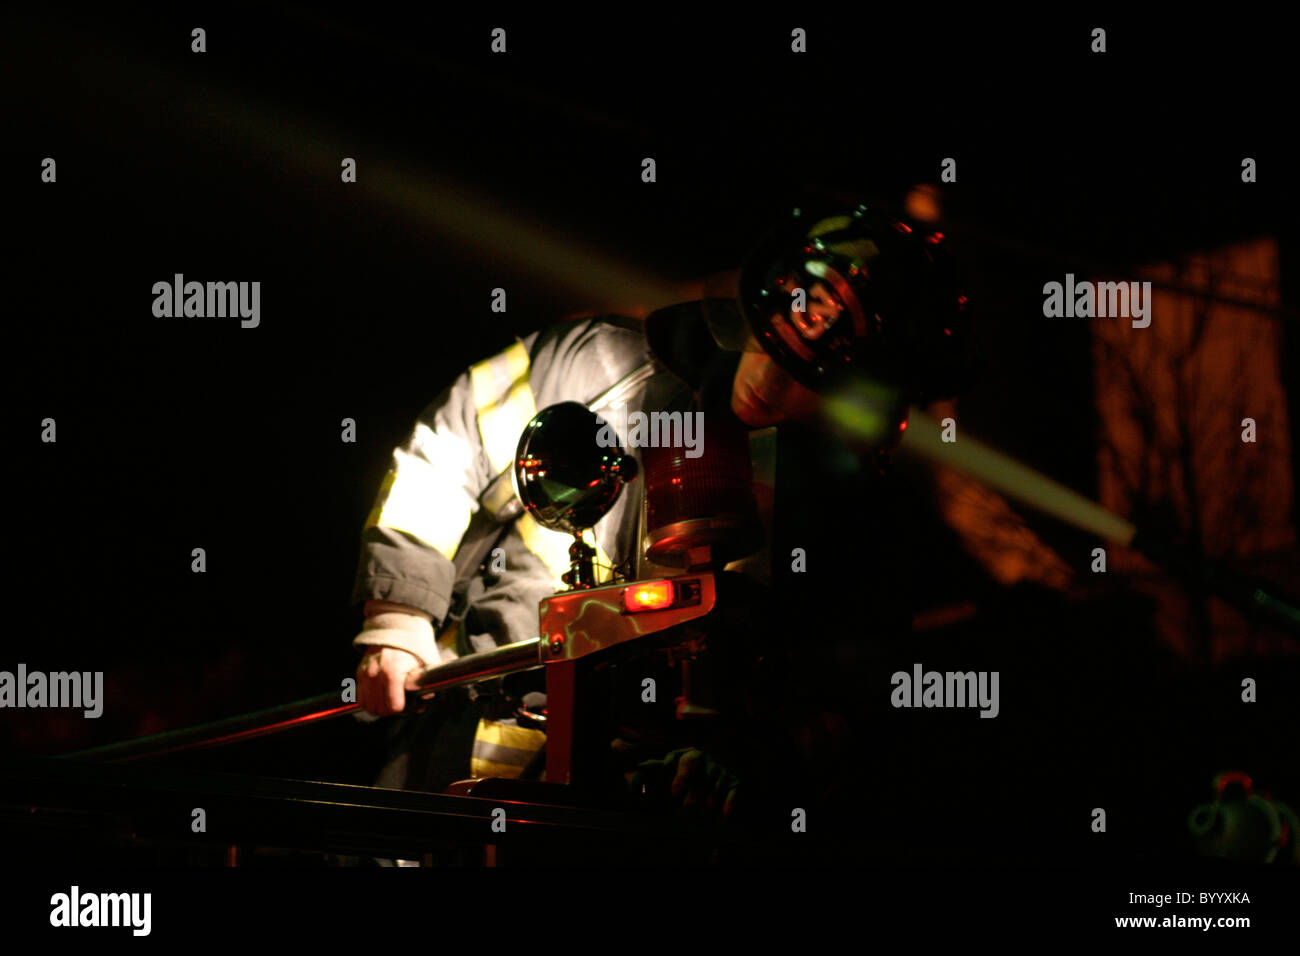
763 393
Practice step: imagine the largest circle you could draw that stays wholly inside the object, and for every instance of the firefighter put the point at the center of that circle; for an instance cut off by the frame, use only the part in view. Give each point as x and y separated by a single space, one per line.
837 316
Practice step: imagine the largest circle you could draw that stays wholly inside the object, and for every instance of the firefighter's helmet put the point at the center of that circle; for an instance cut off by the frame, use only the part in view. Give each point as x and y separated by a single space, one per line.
832 292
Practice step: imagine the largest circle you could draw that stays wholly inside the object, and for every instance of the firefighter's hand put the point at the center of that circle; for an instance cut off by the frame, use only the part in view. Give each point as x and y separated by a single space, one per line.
381 678
697 784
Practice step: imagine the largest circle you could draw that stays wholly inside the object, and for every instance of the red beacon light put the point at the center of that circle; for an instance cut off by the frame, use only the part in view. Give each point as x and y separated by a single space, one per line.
648 596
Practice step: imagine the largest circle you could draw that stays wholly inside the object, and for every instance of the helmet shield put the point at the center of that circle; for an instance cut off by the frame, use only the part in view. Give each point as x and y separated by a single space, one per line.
852 291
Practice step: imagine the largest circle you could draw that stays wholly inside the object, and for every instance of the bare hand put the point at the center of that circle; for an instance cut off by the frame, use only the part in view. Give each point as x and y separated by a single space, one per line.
381 679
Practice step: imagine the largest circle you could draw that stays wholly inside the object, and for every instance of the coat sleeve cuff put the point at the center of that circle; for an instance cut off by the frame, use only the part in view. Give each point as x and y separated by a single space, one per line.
403 631
398 568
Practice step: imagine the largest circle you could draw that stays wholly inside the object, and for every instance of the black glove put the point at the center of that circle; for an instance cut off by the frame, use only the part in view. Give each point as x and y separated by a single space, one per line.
687 779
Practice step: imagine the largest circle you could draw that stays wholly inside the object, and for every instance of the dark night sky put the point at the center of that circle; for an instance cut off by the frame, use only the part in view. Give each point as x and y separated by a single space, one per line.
180 434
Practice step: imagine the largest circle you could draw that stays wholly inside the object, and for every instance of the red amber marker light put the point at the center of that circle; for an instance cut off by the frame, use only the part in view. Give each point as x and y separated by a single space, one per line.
648 596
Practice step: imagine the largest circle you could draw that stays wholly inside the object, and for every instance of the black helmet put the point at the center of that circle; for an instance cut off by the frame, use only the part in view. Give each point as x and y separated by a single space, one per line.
833 291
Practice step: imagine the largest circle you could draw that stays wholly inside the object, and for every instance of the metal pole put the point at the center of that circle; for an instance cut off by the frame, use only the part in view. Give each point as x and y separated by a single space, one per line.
506 659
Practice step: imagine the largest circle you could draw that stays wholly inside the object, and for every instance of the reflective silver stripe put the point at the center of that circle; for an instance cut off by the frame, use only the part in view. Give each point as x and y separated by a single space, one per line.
499 753
624 386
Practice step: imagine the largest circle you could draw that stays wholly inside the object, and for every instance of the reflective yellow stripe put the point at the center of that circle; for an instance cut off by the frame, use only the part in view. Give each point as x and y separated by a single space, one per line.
385 487
505 403
551 546
509 735
425 494
490 768
523 739
447 639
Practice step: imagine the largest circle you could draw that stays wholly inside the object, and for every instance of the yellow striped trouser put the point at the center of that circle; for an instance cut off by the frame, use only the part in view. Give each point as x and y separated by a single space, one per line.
502 749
